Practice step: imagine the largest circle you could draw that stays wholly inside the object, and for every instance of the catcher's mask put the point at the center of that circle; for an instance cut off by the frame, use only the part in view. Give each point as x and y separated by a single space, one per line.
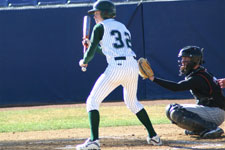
106 7
195 54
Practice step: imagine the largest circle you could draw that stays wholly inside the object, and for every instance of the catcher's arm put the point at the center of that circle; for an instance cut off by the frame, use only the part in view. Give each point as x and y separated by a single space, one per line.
145 69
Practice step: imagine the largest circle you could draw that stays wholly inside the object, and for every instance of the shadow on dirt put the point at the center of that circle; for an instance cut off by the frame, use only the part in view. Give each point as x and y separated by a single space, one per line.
205 144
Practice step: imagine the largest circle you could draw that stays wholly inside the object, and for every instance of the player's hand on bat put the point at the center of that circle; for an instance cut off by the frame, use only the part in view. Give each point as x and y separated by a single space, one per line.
81 63
86 42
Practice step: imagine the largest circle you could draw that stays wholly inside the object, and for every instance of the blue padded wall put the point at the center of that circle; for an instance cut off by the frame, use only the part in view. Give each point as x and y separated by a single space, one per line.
39 60
22 2
3 3
81 1
50 2
41 48
179 24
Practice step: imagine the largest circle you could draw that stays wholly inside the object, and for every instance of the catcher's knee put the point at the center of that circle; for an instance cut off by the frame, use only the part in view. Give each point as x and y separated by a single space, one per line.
189 120
170 108
178 115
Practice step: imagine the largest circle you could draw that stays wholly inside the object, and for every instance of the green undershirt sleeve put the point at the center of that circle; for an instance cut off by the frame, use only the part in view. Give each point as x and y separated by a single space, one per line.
96 37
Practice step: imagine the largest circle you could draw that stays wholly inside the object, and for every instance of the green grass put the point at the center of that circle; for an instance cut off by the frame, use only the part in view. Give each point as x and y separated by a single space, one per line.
40 119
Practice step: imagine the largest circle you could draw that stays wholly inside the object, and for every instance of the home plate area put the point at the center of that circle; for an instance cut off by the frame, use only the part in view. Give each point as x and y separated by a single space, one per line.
117 143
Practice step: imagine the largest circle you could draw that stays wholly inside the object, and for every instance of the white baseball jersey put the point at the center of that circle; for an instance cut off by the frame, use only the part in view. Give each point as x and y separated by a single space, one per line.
116 40
122 67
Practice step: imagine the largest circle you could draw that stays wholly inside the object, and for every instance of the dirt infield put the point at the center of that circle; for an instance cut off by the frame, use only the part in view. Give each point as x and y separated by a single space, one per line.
112 138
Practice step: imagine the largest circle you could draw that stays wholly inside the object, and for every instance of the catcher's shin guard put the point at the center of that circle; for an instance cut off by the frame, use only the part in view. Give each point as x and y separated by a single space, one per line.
169 109
189 120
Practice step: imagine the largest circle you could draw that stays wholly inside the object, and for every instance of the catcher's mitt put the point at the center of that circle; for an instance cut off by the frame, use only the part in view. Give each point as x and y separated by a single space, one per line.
145 69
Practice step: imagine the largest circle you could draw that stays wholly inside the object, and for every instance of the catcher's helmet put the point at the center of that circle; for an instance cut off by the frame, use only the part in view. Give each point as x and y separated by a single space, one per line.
107 8
196 55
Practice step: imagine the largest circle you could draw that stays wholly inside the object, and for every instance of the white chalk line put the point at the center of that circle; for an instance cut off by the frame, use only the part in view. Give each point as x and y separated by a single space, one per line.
67 147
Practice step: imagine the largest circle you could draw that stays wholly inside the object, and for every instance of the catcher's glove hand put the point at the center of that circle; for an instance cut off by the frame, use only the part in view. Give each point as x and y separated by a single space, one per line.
145 69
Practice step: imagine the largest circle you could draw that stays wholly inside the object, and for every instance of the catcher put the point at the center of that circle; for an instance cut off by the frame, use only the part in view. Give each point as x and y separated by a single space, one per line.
204 117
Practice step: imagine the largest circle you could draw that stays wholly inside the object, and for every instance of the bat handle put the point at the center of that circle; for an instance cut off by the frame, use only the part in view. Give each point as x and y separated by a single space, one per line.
84 69
85 47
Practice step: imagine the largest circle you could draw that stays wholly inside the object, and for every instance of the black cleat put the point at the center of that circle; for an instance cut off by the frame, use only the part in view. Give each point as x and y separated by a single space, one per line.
187 132
216 133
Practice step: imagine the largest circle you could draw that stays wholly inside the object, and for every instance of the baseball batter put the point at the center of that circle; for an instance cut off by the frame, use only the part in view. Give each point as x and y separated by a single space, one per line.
115 43
203 118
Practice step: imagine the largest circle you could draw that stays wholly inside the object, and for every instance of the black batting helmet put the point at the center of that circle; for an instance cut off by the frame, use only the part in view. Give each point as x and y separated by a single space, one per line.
107 8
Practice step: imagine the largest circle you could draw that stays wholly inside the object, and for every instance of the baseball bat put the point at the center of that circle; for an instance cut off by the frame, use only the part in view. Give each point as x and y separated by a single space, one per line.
86 34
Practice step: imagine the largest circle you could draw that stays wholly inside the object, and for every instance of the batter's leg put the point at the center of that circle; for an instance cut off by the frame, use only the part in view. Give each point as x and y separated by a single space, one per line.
103 86
130 98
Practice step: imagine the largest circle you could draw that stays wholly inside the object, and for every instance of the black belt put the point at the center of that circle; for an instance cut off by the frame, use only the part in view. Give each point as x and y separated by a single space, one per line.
121 58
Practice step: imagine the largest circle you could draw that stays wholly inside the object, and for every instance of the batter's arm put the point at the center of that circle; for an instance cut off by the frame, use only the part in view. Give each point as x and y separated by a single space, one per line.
99 50
96 37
